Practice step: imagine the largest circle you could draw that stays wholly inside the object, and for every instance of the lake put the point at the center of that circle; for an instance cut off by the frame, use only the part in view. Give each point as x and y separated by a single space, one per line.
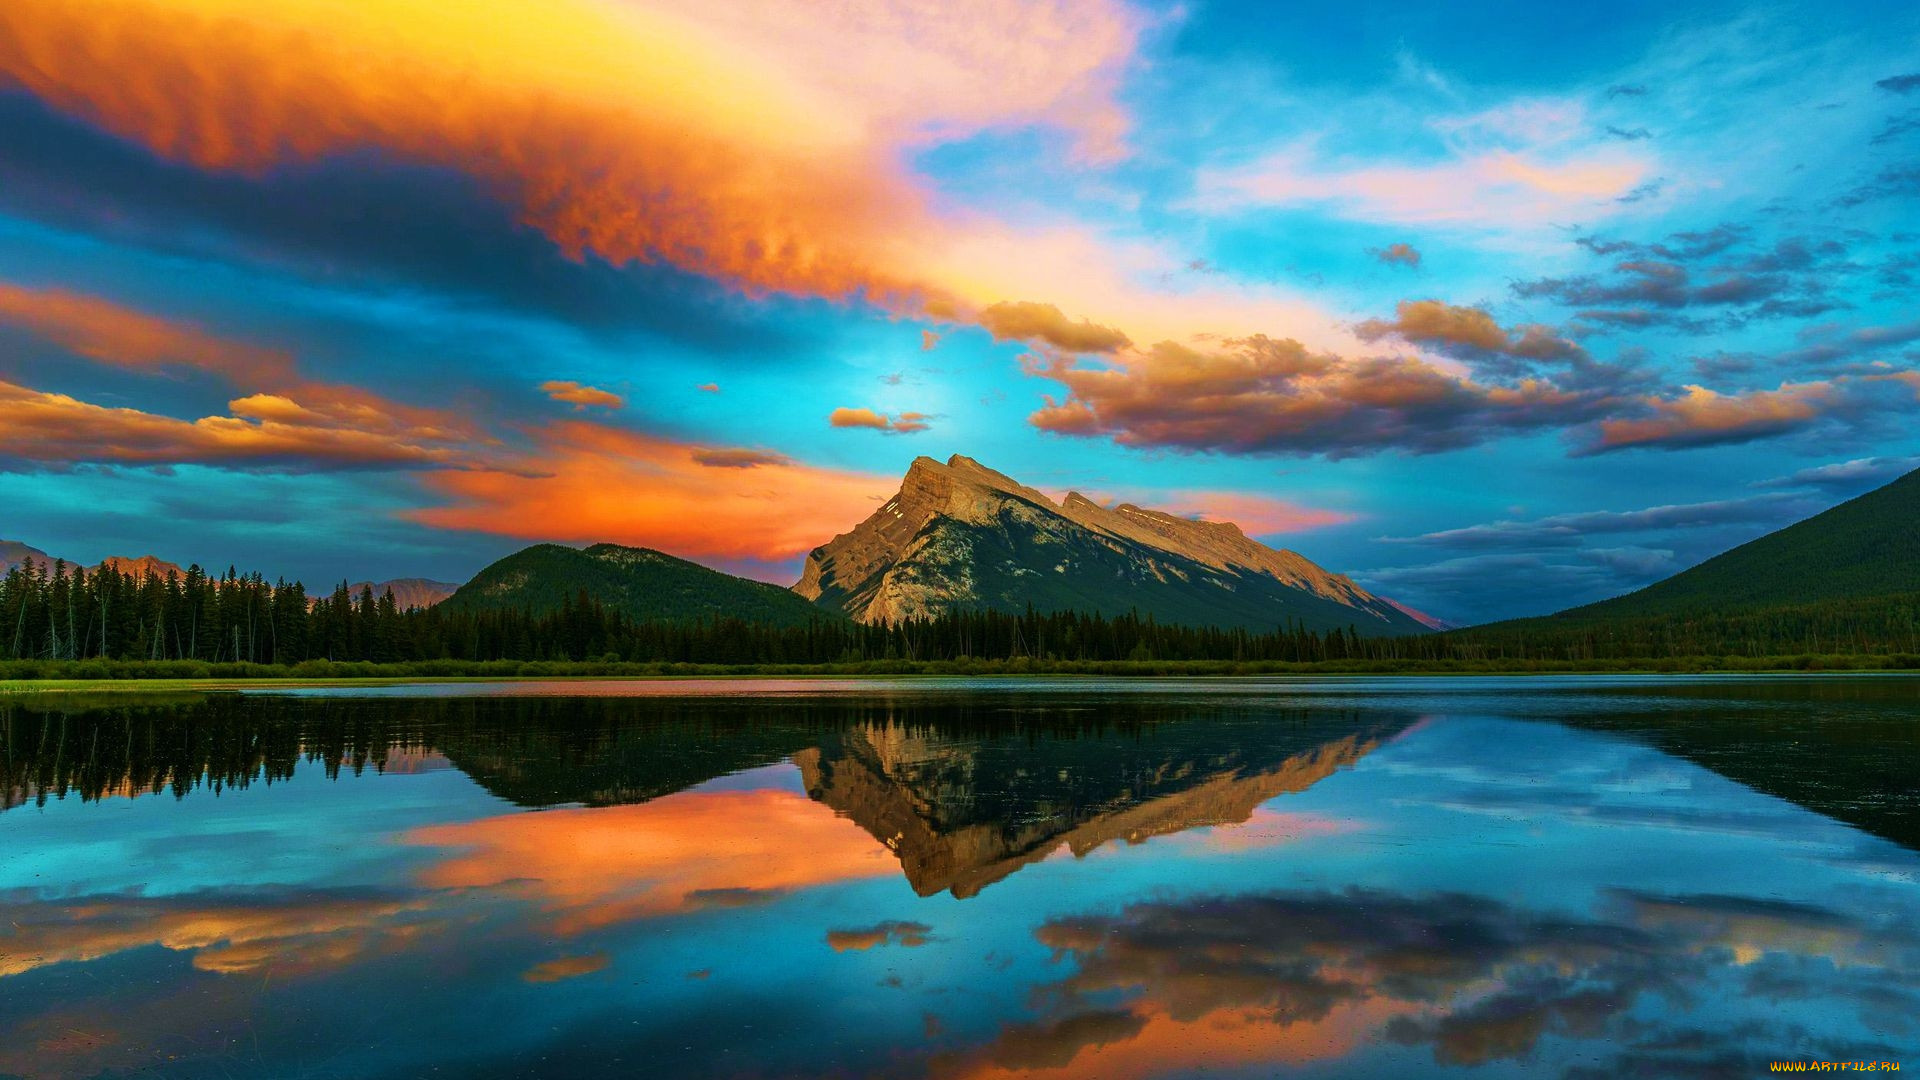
1600 877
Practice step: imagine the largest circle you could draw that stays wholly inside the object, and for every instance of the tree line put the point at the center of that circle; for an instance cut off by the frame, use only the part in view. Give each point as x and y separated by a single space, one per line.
62 613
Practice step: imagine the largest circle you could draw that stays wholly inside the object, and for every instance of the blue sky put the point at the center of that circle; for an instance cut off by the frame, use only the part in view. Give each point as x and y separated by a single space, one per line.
1500 309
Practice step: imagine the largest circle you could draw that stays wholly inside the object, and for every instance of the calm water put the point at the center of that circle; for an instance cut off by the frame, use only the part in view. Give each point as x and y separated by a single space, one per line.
1581 878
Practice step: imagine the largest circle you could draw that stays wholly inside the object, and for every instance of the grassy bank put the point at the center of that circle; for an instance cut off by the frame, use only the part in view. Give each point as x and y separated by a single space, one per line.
31 676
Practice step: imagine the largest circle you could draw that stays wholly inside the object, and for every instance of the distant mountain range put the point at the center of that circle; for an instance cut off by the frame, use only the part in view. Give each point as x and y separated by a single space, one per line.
407 592
961 535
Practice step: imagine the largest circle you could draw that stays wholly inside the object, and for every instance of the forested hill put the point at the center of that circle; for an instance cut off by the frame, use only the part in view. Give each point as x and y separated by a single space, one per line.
1864 548
640 583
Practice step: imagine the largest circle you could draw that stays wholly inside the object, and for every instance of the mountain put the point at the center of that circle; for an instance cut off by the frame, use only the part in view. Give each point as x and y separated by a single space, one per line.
142 567
13 553
408 592
961 535
643 583
1864 548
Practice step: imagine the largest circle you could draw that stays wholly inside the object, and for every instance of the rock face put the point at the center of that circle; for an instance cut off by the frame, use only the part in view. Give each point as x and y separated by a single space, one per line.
961 535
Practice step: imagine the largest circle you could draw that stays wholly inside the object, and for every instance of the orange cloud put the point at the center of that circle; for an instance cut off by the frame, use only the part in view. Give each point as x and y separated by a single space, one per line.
904 424
1702 416
740 141
566 967
263 430
225 937
1028 321
1433 320
600 125
1440 324
102 330
110 333
580 397
596 867
1259 395
591 482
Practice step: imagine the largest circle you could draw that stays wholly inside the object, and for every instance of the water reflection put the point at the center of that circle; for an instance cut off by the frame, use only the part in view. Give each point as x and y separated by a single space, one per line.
1331 879
964 813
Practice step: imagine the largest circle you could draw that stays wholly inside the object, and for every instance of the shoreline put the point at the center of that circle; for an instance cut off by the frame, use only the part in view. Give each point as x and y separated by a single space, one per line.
129 678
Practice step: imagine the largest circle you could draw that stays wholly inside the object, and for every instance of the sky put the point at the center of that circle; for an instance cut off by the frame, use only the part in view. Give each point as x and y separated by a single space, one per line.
1499 309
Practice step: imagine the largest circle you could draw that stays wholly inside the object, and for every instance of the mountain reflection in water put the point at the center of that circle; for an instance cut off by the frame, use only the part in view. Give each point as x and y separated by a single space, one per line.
1033 880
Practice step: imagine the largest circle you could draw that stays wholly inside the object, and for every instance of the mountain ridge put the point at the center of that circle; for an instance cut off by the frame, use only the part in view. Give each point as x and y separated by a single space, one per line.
1865 547
643 583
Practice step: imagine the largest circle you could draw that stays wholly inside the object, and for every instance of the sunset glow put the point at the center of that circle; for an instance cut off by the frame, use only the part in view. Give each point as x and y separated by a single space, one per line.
707 276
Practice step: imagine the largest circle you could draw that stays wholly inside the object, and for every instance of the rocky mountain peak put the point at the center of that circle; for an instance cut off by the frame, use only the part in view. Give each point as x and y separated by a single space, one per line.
961 534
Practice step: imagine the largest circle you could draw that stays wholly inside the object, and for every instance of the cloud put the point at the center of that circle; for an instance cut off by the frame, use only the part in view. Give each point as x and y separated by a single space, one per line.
1403 253
1894 181
1622 90
268 431
1660 283
1629 134
1516 355
1531 583
1434 322
1261 396
112 334
905 423
1036 323
1859 474
1516 167
1570 529
1499 188
109 333
1649 190
580 397
1900 84
597 125
708 388
1701 417
739 458
590 482
907 935
929 339
566 967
